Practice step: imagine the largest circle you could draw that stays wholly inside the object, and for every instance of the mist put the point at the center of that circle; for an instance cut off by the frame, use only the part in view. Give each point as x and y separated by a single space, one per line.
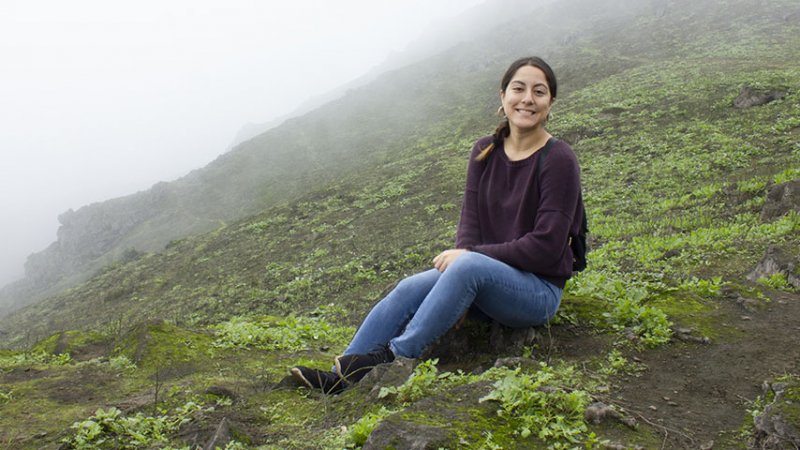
101 100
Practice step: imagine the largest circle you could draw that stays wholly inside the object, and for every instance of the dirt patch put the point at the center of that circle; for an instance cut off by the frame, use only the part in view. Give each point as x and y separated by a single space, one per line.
21 374
85 386
695 394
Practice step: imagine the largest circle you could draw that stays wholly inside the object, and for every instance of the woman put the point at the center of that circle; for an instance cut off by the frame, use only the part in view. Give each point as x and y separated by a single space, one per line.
512 256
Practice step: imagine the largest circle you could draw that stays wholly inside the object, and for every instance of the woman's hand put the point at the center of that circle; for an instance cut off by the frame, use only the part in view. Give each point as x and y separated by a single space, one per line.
443 260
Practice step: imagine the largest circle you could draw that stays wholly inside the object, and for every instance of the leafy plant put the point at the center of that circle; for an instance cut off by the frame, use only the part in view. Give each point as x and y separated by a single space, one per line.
110 429
778 281
418 385
270 333
543 405
6 396
360 431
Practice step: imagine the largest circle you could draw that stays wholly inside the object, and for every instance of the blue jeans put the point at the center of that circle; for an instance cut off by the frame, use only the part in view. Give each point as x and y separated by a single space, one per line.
424 306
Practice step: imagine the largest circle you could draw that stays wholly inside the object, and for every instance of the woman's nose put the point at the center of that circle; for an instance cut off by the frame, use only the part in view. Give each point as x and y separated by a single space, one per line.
528 97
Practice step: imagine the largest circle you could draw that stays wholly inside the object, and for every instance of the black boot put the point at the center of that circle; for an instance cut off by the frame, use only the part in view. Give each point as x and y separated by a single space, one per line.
352 368
325 381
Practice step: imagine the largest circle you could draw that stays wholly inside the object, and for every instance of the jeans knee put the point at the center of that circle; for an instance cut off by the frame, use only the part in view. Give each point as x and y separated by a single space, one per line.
470 262
415 285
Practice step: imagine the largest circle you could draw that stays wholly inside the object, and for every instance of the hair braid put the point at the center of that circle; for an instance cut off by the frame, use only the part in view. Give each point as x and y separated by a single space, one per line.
501 132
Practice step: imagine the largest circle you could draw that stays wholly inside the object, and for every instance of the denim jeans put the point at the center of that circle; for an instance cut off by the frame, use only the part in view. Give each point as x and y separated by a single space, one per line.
424 306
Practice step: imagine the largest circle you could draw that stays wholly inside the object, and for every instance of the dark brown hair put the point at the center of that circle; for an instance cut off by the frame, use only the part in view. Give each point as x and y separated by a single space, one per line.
502 131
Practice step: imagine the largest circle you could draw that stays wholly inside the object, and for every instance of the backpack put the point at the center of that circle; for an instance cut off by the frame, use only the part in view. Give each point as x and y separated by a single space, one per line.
576 242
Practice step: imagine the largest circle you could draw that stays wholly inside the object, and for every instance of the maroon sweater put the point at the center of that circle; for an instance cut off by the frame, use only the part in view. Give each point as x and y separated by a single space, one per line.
510 216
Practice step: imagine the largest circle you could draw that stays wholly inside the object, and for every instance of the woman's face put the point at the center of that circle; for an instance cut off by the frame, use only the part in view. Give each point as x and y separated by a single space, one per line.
527 100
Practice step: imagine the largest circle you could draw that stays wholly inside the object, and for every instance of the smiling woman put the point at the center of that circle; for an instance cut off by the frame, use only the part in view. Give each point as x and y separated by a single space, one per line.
512 256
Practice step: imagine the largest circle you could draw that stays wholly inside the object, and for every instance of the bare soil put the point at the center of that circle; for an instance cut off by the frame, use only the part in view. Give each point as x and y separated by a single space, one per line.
697 394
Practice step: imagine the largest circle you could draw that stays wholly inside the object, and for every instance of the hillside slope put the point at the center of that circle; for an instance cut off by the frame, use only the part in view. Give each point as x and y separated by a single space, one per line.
331 139
684 192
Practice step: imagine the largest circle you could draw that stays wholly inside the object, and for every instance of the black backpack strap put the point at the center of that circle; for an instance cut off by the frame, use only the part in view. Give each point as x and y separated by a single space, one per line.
540 159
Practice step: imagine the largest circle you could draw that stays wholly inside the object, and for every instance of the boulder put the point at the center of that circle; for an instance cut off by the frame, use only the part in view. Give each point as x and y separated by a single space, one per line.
781 199
396 433
776 261
482 341
749 97
777 425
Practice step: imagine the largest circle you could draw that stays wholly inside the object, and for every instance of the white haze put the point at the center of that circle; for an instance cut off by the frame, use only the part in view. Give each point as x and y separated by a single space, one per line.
100 99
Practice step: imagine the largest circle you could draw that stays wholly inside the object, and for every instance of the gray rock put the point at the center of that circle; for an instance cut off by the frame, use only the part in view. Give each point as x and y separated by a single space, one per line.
781 199
395 433
776 261
749 97
774 427
481 340
385 375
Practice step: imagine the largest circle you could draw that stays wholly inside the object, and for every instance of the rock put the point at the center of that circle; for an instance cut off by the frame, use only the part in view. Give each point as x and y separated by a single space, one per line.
776 426
477 340
386 375
516 361
776 261
781 199
685 335
599 412
395 433
749 97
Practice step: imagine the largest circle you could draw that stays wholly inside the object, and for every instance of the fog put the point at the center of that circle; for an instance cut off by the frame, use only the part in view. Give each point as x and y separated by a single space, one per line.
102 99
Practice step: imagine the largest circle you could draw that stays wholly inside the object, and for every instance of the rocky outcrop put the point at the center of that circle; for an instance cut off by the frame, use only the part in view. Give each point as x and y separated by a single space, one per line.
95 231
781 199
749 97
776 426
777 261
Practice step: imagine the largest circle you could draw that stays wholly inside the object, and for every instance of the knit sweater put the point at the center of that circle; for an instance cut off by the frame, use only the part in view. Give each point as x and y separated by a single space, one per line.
510 216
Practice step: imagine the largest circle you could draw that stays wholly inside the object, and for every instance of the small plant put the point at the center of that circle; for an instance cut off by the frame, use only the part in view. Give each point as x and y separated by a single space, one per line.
110 429
420 384
360 431
777 281
6 397
38 358
648 324
544 405
269 333
122 363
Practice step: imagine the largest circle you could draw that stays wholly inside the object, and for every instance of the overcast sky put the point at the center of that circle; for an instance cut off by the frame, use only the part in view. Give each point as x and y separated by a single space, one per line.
100 99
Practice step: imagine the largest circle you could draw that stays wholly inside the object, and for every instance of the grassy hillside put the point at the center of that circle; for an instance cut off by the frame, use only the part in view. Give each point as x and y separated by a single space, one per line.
675 180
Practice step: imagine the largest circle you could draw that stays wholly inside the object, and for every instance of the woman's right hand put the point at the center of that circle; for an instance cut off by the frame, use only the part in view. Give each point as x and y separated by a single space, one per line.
443 260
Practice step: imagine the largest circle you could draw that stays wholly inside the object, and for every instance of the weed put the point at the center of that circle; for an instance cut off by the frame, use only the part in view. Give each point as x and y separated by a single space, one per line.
543 406
271 333
110 429
777 281
360 431
418 385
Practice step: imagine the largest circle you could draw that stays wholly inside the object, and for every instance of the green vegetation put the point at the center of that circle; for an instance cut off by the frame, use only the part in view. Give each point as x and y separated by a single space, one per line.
674 178
545 405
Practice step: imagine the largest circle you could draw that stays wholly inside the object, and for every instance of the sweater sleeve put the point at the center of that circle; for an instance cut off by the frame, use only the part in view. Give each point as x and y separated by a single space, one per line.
542 250
468 233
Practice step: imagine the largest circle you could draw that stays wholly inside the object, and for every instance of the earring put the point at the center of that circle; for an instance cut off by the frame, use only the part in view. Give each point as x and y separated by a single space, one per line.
500 112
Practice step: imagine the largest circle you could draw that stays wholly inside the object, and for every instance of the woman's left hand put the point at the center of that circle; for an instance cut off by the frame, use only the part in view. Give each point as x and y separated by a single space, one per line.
447 257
